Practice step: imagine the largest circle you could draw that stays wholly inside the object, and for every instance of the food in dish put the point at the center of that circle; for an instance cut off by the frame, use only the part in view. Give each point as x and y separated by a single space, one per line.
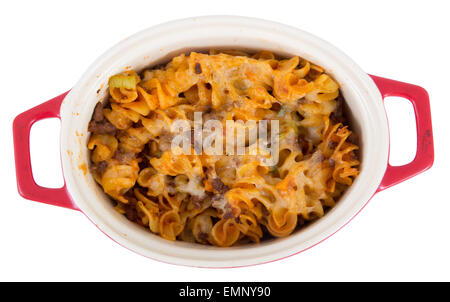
224 198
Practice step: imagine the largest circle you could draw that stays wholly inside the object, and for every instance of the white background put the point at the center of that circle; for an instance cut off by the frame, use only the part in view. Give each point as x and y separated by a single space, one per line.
402 234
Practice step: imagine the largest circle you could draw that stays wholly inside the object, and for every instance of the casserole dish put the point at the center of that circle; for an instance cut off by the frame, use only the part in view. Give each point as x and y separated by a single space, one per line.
364 101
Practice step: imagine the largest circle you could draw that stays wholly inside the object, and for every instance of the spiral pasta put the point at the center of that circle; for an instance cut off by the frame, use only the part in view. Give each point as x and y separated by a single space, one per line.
223 199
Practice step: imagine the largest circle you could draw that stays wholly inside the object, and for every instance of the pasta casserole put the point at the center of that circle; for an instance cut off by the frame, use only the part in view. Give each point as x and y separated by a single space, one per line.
223 198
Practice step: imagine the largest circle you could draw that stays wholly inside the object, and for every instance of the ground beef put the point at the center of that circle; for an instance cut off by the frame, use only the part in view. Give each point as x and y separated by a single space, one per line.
332 144
198 68
123 157
219 186
337 115
303 143
276 107
98 113
131 212
101 167
103 127
228 214
196 202
203 236
223 206
98 124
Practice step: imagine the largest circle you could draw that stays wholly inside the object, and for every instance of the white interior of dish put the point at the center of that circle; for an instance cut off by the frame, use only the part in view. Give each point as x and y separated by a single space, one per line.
153 45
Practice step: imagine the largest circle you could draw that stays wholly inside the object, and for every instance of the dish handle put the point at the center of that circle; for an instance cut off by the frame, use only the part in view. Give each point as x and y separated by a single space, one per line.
425 151
26 185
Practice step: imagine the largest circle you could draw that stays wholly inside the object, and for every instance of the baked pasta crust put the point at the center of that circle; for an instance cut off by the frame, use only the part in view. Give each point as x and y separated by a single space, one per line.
223 200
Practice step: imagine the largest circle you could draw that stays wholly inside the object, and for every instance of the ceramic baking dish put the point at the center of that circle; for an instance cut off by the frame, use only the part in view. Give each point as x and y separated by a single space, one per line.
364 101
